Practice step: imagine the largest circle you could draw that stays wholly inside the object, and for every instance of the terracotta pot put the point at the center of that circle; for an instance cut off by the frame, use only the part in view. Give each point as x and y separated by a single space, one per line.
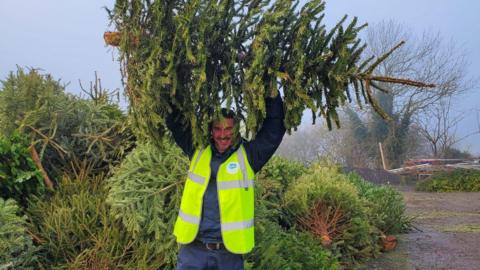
389 243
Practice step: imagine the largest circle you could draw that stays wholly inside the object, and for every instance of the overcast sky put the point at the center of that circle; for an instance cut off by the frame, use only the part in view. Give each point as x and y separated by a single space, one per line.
65 38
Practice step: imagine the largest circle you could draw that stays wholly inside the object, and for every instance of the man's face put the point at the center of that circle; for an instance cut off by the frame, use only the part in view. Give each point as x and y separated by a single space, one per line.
223 133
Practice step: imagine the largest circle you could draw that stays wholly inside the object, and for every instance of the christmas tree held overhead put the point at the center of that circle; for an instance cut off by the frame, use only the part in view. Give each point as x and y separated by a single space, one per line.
201 55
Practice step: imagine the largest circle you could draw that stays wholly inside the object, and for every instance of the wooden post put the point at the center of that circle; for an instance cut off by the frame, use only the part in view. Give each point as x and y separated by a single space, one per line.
382 156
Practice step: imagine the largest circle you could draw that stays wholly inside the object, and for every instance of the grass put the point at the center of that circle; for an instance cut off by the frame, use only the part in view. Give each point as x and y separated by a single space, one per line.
463 228
444 214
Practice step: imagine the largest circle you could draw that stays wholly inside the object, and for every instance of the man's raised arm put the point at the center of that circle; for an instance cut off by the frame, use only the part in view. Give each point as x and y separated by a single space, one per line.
182 134
269 137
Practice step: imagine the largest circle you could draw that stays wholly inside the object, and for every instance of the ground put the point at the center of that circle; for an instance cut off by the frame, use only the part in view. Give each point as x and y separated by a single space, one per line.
446 233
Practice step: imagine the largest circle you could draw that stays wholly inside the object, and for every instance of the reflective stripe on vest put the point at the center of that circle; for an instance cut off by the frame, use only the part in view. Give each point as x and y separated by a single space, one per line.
196 178
235 184
231 226
188 218
235 198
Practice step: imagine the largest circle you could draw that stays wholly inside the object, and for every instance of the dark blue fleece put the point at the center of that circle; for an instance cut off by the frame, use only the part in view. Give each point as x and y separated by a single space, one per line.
259 151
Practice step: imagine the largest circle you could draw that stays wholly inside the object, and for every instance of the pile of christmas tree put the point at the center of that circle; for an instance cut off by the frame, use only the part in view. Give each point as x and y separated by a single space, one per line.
306 218
110 210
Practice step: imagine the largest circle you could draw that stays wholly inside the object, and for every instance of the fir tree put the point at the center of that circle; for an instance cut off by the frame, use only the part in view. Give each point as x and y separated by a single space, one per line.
16 248
199 55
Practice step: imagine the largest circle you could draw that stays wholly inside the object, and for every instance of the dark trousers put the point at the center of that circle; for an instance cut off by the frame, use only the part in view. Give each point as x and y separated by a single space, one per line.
195 256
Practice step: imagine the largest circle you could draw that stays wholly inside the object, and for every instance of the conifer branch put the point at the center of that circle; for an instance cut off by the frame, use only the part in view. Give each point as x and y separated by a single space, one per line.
201 55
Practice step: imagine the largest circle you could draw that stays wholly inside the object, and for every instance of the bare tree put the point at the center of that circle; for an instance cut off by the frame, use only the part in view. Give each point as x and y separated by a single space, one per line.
439 127
426 57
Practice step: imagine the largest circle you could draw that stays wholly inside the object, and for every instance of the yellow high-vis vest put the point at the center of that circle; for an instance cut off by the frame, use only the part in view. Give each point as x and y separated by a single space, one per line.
235 199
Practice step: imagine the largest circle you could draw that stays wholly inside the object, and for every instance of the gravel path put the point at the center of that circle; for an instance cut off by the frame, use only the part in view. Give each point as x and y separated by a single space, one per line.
447 235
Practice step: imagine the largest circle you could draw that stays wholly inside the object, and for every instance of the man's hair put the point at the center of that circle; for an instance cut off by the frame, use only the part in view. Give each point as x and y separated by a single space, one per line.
227 113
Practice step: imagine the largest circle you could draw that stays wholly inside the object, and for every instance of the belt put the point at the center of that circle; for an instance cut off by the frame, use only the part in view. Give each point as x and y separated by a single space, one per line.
209 246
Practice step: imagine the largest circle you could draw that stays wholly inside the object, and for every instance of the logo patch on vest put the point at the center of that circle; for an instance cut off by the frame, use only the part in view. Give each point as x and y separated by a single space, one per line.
232 167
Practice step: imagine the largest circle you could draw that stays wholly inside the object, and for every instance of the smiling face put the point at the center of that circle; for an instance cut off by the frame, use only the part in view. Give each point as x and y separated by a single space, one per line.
223 133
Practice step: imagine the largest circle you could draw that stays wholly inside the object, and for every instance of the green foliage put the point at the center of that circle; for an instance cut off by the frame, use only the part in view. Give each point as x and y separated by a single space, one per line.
68 132
73 220
126 222
386 207
359 128
281 170
24 92
16 247
19 178
145 193
76 231
280 249
453 153
393 134
397 142
456 180
379 128
200 54
354 238
325 183
80 131
271 185
287 191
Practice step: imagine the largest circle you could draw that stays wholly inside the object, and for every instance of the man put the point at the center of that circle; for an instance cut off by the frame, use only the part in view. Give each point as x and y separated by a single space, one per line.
215 221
